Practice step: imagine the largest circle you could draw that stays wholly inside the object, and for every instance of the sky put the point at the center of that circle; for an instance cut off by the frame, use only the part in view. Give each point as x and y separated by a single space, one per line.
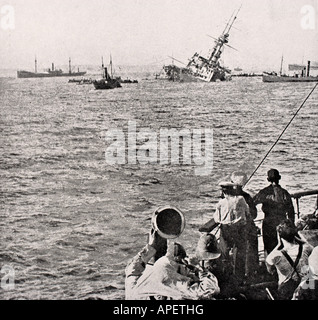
145 32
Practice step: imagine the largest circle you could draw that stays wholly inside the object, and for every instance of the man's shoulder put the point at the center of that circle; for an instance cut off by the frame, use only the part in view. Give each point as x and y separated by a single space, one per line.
307 247
241 200
222 202
285 194
273 256
266 190
247 196
285 191
235 200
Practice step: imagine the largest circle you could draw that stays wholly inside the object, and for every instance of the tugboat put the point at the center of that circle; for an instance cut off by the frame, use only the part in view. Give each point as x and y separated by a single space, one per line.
201 68
108 81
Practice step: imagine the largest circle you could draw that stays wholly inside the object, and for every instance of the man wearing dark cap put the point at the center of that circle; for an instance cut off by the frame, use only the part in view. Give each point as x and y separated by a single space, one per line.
277 206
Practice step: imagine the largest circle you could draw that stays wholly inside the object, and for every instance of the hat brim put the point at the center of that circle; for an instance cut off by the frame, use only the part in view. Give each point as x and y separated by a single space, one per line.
208 255
227 184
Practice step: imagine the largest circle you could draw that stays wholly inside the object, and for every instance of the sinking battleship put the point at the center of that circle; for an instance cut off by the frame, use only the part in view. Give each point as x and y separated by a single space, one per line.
201 68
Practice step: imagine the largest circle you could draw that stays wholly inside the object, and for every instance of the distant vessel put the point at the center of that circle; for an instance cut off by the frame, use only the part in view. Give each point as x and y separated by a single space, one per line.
107 82
81 81
206 69
273 78
247 75
126 80
238 72
302 75
50 73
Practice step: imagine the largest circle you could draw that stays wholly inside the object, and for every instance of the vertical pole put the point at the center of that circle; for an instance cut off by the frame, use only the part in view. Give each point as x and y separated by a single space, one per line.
297 204
111 66
103 72
308 69
281 66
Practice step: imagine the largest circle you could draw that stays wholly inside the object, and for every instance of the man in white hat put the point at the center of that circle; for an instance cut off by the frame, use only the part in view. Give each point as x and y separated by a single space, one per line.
230 216
210 258
239 178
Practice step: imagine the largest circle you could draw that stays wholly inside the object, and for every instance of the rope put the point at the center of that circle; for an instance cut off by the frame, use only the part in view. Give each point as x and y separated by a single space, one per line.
281 134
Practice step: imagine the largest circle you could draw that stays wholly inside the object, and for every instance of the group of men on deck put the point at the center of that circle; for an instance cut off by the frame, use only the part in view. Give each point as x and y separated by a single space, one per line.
226 256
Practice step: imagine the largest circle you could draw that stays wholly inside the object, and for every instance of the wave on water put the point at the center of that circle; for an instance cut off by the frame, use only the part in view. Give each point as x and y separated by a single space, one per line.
70 221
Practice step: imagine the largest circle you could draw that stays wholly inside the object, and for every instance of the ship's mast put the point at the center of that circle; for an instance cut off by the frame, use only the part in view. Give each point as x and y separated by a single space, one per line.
281 66
235 17
69 66
224 31
35 65
111 66
103 72
218 48
173 66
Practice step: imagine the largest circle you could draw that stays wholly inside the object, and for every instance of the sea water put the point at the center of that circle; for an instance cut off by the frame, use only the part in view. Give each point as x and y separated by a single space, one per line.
70 221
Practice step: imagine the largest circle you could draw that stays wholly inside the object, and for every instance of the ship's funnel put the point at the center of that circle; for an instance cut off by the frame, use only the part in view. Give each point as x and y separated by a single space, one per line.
308 69
52 66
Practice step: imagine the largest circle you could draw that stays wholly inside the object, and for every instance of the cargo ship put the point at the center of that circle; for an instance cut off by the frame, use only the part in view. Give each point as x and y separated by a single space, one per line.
302 74
50 72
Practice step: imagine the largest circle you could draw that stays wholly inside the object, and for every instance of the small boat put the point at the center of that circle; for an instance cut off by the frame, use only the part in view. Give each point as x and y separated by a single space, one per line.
81 81
126 80
108 81
85 81
74 80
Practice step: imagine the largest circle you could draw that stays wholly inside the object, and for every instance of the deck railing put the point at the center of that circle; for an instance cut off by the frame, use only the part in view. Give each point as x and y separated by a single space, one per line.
301 194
